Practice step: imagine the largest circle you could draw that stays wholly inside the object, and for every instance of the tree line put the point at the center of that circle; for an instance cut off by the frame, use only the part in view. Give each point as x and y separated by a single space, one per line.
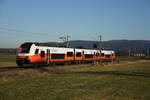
8 50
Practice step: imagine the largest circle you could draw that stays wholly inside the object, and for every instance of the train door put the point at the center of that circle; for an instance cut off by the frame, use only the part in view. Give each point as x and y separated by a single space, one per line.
48 56
42 54
82 55
74 55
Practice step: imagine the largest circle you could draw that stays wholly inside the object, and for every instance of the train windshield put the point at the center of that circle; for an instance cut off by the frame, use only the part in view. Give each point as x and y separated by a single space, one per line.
25 48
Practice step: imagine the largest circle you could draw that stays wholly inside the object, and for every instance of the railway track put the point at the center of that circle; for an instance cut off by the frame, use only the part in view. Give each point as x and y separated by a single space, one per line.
2 69
12 67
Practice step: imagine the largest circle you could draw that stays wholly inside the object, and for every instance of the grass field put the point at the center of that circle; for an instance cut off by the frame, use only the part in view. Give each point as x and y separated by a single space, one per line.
7 58
126 81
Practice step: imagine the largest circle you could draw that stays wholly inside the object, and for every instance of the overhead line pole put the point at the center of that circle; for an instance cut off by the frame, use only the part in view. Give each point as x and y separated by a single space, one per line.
66 40
100 46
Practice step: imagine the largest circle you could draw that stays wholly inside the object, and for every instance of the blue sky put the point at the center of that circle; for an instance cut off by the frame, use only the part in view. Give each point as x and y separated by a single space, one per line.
47 20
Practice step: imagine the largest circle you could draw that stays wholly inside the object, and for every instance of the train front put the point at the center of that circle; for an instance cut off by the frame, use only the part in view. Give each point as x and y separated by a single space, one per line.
23 54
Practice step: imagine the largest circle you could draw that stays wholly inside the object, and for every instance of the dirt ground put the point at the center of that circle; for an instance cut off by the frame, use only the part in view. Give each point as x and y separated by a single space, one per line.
7 64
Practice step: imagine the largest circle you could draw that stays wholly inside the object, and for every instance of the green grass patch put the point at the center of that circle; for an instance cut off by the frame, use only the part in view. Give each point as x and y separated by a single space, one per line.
127 58
113 82
7 58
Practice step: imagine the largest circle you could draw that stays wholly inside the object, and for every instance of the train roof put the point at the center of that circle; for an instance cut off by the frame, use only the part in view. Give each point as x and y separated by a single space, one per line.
43 44
107 51
50 45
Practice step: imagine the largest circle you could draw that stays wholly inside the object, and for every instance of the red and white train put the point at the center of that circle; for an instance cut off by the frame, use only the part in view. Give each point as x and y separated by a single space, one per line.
38 54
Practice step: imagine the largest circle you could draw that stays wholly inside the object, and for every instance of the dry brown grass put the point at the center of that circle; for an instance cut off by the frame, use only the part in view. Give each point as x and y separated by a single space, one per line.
9 70
7 64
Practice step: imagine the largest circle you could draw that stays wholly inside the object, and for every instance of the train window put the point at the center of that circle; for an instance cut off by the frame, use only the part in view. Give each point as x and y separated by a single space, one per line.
78 54
25 48
102 54
42 53
69 54
97 54
58 56
83 52
108 56
88 56
36 51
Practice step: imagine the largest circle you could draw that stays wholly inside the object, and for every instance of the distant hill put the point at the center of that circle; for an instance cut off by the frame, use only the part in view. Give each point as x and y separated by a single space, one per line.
117 45
122 47
113 44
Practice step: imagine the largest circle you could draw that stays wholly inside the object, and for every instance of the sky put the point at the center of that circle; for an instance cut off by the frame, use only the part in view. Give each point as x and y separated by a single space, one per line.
47 20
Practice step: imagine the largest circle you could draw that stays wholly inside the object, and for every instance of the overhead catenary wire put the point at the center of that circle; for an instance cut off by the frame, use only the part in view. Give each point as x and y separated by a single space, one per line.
26 37
22 31
17 34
